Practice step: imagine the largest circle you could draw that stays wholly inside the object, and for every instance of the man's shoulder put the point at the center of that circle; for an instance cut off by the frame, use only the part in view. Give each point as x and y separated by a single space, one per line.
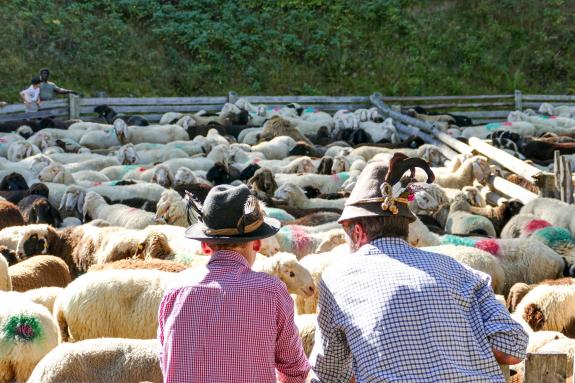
265 281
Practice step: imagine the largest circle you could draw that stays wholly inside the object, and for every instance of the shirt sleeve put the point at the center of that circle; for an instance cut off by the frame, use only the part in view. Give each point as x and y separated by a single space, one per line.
291 362
504 334
331 357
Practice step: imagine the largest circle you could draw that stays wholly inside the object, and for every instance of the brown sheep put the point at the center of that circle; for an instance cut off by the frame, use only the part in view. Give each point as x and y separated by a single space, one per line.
263 185
154 246
10 215
519 290
277 126
156 264
315 219
518 180
39 271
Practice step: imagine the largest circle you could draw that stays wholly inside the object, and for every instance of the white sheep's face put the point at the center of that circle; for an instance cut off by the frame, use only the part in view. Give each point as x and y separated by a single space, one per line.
270 246
297 278
19 150
229 109
73 200
50 173
162 177
39 163
185 176
546 108
473 195
121 129
127 155
306 166
25 130
340 164
285 192
425 201
374 115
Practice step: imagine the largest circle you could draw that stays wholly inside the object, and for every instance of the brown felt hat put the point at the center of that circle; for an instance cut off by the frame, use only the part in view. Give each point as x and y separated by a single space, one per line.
383 191
230 214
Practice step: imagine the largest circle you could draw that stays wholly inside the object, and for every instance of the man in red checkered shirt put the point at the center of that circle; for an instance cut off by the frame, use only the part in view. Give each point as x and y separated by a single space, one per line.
228 323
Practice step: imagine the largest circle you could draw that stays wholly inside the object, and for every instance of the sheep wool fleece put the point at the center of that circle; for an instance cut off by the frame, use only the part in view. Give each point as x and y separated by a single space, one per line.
436 319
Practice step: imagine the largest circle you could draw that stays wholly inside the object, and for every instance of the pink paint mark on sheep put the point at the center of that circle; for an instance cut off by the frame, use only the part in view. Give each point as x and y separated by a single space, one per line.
98 183
256 160
142 169
3 140
535 225
133 210
489 245
507 123
552 117
300 238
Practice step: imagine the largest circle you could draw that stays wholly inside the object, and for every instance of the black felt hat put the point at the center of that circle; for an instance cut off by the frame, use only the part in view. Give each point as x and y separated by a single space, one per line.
230 214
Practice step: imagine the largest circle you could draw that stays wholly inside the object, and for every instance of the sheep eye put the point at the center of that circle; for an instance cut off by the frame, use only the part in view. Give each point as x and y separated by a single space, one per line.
291 274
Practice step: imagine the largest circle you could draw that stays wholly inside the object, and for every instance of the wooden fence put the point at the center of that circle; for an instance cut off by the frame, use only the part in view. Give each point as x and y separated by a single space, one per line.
480 108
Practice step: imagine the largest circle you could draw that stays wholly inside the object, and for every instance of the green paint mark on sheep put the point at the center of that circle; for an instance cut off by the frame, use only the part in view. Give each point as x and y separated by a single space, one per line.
129 168
22 328
449 239
278 214
554 236
493 126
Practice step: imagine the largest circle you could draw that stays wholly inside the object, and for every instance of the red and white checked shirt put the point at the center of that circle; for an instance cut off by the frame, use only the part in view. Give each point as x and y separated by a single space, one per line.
230 324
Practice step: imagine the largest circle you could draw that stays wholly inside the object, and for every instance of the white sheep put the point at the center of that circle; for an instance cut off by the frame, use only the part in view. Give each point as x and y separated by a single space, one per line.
420 235
19 150
171 209
553 211
57 174
277 148
44 296
6 140
524 129
381 131
100 139
128 155
295 197
302 240
95 164
101 360
5 280
28 333
286 267
325 183
159 134
474 168
460 221
119 215
559 110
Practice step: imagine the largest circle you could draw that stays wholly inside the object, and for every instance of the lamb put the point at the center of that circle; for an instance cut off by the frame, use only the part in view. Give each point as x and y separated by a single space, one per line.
474 168
38 209
300 241
523 260
12 237
44 296
39 271
101 360
460 221
278 126
325 183
28 334
119 215
57 174
554 211
155 264
158 134
10 215
17 151
286 267
295 197
128 155
477 259
277 148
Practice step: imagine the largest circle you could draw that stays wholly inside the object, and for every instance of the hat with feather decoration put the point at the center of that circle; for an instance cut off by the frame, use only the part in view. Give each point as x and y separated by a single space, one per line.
229 214
385 191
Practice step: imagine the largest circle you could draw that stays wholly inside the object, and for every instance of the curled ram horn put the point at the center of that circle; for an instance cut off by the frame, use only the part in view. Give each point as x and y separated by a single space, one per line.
193 207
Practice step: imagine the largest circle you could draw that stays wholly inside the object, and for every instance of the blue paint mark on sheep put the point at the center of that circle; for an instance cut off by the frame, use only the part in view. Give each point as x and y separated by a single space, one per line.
493 126
554 236
129 168
278 214
450 239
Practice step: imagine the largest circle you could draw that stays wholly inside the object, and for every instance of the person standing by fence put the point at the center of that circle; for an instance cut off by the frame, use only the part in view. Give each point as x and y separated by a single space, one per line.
49 90
31 95
394 313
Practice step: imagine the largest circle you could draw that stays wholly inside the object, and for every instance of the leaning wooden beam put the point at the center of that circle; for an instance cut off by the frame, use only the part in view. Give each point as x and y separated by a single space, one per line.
452 142
546 367
510 189
422 125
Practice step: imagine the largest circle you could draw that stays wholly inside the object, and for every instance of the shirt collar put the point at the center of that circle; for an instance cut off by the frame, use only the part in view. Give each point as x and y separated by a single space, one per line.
390 245
229 256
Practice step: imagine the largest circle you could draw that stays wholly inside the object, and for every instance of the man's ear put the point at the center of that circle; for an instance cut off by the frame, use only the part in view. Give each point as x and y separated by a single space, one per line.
257 245
207 249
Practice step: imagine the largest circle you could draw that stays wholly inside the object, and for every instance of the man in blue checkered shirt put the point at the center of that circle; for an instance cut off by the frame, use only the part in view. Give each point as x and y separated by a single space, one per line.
394 313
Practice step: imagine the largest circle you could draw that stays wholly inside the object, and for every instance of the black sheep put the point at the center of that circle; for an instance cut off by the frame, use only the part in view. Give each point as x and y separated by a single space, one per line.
353 136
15 196
222 174
248 172
13 181
37 209
109 115
460 121
9 255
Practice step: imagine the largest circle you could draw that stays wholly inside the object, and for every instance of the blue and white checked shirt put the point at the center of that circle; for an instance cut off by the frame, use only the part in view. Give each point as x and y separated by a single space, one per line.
394 313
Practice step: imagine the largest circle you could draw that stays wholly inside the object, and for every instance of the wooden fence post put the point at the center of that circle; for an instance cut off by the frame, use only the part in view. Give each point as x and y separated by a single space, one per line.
518 100
73 106
232 97
565 180
546 367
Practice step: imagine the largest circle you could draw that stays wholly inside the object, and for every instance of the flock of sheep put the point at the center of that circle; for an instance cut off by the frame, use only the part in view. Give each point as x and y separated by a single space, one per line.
92 218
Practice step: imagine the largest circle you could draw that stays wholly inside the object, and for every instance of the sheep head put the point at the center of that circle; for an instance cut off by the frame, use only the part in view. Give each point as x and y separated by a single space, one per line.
121 129
290 193
302 165
13 181
155 245
163 176
10 255
219 153
184 176
431 154
263 180
269 246
127 155
91 201
54 173
547 108
35 241
17 151
295 276
25 131
340 164
230 110
73 200
481 169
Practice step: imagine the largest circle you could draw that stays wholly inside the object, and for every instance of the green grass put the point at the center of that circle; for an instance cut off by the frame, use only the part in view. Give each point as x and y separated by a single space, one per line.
146 48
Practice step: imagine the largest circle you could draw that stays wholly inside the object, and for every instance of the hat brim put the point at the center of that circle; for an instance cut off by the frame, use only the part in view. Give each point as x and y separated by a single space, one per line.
270 227
373 210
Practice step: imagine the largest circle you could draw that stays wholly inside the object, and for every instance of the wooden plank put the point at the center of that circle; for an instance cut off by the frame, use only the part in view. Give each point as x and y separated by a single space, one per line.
452 142
306 99
32 115
510 189
505 159
444 98
385 110
462 105
13 108
518 100
17 108
488 114
545 367
154 108
546 97
536 105
73 106
153 101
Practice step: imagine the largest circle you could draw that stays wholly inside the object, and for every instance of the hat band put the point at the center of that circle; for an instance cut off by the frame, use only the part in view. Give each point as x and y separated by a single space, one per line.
234 231
387 203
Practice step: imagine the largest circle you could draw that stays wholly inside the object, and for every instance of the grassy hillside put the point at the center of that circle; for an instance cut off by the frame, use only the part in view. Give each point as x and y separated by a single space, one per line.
207 47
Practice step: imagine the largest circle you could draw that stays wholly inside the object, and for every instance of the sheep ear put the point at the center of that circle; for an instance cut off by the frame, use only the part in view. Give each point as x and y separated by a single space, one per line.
59 177
80 202
477 172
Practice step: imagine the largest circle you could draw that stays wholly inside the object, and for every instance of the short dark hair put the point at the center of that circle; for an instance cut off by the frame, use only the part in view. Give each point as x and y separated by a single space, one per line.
35 80
44 70
383 226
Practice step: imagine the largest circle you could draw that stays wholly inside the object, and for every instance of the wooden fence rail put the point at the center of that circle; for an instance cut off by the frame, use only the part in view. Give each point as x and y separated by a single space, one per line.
480 108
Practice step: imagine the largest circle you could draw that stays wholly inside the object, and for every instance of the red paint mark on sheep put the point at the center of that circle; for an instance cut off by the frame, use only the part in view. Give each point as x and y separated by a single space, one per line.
507 123
489 245
3 140
535 225
142 169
